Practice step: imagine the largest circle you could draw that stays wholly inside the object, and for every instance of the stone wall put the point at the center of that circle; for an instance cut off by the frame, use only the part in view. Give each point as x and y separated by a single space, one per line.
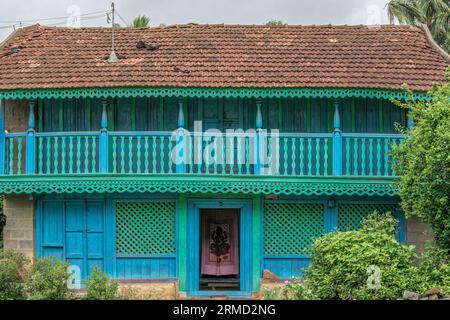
149 291
417 233
19 230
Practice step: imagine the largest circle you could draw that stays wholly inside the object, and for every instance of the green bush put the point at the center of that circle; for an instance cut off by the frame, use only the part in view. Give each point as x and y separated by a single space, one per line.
47 280
296 289
100 287
2 222
12 270
344 265
434 269
423 162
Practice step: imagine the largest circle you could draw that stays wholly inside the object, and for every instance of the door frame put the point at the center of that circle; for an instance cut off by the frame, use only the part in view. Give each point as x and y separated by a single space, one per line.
194 243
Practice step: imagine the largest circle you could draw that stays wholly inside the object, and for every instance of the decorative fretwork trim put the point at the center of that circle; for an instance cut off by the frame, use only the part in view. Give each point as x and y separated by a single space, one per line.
182 183
208 92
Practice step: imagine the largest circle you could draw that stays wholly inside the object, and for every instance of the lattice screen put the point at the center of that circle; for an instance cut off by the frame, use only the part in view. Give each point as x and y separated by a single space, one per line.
351 215
145 227
291 228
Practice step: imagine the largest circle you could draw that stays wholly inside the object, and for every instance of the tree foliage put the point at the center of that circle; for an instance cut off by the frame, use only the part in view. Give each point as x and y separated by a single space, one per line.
275 22
423 162
141 21
434 13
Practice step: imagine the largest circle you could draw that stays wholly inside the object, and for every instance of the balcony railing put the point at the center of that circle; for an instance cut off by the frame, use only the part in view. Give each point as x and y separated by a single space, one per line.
198 153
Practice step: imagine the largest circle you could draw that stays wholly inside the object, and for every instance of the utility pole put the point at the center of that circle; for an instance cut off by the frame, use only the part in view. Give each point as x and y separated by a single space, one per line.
113 57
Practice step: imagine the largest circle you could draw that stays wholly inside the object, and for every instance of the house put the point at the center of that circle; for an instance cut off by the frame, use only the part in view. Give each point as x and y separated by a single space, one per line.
206 153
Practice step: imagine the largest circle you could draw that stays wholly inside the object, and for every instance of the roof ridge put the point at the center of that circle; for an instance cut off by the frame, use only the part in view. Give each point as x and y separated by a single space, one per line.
193 24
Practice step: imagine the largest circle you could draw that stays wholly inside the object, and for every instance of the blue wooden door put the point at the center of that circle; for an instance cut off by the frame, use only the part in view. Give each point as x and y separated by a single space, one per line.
84 234
72 231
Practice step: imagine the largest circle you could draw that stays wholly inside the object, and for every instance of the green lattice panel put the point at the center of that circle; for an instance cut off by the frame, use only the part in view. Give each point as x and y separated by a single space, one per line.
351 215
291 228
145 227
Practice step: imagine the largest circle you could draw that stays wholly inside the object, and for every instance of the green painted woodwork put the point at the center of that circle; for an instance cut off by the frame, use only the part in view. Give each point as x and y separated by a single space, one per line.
369 155
182 183
19 155
256 241
207 92
11 156
134 153
351 215
144 228
15 147
286 114
40 115
88 114
62 153
61 115
380 116
291 227
182 241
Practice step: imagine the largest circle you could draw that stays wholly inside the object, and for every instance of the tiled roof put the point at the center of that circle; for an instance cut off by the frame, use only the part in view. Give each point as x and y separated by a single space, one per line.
222 56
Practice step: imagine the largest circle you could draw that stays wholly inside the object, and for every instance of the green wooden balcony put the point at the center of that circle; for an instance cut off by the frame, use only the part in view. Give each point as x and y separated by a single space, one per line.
181 152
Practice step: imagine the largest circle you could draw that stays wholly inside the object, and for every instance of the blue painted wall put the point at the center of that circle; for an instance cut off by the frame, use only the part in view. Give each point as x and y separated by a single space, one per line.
291 265
82 232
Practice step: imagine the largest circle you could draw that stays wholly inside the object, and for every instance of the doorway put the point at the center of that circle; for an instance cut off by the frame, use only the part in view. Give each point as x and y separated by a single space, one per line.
249 236
219 249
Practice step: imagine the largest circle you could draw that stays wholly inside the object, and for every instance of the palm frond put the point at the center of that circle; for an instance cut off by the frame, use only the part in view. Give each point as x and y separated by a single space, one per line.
140 21
405 11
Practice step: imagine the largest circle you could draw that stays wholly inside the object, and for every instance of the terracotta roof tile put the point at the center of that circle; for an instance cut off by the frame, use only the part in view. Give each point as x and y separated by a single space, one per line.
223 56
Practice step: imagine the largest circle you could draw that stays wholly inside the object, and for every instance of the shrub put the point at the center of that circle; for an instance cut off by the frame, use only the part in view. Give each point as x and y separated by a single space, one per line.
12 270
423 162
434 269
100 287
344 265
296 289
47 280
2 221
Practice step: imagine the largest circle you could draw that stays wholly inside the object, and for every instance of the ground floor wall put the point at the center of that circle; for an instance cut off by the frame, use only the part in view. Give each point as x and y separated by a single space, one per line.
418 233
155 237
19 230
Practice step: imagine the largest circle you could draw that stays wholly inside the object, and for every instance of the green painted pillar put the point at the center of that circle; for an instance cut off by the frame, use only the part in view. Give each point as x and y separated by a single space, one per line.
182 242
257 242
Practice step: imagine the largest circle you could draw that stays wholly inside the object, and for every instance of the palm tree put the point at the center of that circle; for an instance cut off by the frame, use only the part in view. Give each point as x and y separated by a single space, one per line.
435 14
140 21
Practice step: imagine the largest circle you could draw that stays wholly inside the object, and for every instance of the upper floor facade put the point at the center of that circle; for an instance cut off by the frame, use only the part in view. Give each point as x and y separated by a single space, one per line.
215 136
239 109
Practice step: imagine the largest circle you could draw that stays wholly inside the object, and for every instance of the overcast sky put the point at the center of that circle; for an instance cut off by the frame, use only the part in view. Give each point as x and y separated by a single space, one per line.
198 11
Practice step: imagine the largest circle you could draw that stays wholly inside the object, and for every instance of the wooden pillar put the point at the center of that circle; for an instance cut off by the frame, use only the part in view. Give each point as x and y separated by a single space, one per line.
103 145
2 136
180 158
182 241
331 216
409 121
259 140
337 140
30 164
